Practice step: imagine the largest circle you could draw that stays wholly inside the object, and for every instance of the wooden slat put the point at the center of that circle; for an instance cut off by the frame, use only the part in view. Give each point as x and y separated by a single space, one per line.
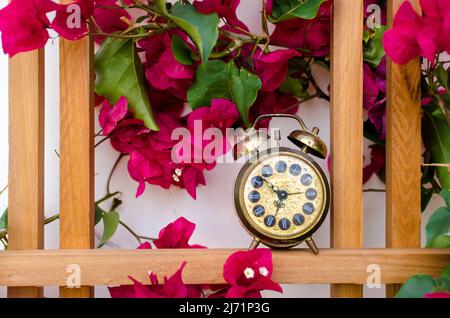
77 151
347 132
404 146
111 267
26 157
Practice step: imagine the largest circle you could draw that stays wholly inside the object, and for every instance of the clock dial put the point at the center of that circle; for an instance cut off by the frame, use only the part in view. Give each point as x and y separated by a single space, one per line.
283 195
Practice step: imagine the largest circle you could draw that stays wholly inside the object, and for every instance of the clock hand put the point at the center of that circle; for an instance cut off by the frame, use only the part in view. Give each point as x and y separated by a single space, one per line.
295 193
279 205
271 186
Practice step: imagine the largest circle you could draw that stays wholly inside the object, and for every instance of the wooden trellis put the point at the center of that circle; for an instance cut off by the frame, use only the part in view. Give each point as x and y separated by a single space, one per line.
26 266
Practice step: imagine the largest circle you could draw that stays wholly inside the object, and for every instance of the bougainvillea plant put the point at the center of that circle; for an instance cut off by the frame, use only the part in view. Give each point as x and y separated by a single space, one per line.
246 273
164 65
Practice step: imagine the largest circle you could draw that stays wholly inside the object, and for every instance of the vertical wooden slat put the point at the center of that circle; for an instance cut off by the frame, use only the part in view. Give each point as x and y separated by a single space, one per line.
26 158
403 215
347 132
77 151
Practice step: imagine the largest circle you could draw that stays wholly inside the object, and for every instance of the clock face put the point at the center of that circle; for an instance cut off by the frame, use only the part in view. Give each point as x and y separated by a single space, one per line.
283 195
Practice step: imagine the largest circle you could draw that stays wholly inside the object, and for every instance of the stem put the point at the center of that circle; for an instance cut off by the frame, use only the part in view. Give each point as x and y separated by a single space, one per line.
4 189
443 108
137 237
108 183
107 197
264 25
374 190
101 141
316 86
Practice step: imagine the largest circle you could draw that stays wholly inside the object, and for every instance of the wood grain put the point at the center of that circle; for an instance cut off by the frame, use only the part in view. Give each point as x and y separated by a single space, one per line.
347 132
111 267
77 151
26 157
404 146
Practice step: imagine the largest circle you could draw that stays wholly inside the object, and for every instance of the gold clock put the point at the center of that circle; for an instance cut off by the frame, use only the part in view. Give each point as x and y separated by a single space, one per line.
282 195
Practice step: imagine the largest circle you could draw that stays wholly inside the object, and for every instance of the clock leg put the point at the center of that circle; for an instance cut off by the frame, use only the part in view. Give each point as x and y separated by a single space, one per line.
312 245
254 244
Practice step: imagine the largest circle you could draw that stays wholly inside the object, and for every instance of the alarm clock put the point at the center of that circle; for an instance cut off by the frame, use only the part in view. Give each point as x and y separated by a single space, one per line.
282 195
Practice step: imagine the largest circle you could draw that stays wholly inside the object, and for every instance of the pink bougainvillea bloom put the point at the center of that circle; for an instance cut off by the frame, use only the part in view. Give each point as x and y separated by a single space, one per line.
110 20
23 24
169 74
375 97
111 115
312 36
153 167
438 295
191 177
248 273
222 114
176 235
224 8
272 68
173 287
129 135
162 70
377 163
400 42
71 19
273 103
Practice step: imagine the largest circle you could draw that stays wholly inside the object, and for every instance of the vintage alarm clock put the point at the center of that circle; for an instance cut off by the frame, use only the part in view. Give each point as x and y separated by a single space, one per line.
281 194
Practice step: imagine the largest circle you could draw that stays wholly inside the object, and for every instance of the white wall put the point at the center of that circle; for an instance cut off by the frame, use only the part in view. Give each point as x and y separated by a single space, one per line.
213 212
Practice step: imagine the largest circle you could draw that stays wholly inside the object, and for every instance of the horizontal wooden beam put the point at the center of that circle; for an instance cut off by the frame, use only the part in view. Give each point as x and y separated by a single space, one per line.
111 267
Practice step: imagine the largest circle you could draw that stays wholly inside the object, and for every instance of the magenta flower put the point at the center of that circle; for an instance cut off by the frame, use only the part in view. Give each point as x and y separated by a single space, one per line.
248 273
176 235
224 8
23 24
162 70
110 19
400 43
149 166
222 114
111 115
437 295
375 97
67 24
413 35
173 287
128 134
272 68
377 163
312 36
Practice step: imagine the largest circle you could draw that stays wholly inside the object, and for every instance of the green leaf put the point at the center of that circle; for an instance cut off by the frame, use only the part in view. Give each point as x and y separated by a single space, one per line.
436 138
216 79
445 194
202 28
443 285
373 50
98 214
4 220
110 223
438 224
290 9
181 51
446 272
119 72
416 287
426 195
442 241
